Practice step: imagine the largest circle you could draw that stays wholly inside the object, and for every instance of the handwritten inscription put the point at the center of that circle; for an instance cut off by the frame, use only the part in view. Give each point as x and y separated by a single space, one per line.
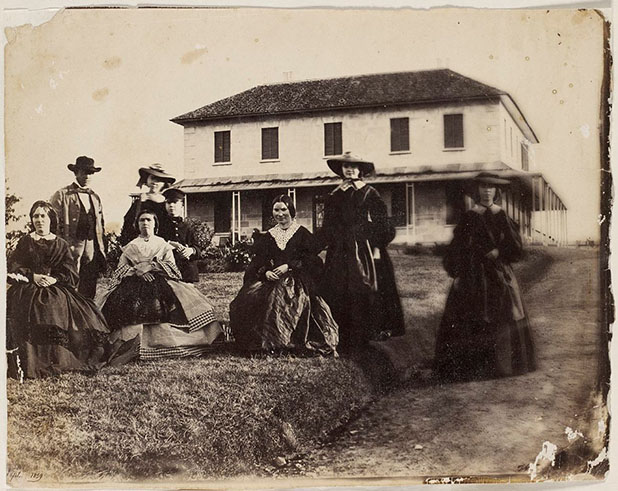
17 475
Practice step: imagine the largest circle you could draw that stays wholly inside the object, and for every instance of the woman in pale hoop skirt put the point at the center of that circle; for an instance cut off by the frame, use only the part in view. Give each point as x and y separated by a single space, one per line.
278 307
484 330
51 328
151 312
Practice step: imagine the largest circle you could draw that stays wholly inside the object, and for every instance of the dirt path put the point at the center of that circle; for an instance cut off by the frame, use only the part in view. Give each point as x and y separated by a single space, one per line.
494 426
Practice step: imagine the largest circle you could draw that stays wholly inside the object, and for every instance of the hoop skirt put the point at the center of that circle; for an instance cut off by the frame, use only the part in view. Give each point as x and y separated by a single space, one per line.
286 314
54 329
155 319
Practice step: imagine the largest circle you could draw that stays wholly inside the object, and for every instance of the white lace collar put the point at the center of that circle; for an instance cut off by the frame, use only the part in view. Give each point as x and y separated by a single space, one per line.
49 236
282 236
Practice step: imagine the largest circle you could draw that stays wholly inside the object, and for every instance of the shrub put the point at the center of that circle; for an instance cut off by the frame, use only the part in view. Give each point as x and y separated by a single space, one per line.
114 251
231 258
239 255
212 260
11 219
202 234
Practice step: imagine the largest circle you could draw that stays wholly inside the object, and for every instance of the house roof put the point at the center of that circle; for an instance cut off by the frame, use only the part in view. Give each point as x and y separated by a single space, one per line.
361 91
388 175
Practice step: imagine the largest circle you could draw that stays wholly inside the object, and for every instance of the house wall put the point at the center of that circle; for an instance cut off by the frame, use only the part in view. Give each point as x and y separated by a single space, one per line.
366 133
511 138
488 132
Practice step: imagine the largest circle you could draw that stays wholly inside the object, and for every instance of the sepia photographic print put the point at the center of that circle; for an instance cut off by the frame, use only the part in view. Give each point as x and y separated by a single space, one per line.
258 247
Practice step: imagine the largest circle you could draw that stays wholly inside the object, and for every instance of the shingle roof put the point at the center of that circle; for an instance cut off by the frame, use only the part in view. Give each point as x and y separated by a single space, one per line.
386 89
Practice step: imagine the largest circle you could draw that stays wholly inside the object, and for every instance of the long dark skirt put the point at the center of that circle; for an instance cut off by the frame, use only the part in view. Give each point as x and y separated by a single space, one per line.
363 309
470 348
137 301
53 330
281 314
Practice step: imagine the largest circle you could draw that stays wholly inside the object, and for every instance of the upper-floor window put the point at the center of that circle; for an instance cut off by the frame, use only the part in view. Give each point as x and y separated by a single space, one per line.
222 146
270 143
453 131
400 134
333 144
524 156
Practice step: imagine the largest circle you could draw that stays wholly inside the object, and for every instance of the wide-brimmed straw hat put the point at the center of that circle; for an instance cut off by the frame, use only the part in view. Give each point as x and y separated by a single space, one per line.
84 163
336 164
155 170
471 186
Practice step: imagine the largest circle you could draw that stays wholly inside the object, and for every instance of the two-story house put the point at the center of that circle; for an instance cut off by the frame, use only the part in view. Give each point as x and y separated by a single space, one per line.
426 131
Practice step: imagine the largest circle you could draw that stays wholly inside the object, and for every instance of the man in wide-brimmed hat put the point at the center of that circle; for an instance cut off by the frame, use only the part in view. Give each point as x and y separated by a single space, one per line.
81 223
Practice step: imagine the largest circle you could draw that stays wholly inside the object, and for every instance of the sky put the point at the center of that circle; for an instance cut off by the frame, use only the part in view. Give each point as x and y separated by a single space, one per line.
105 82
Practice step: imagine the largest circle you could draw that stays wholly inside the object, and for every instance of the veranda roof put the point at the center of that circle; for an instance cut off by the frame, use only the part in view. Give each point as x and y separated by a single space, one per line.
447 172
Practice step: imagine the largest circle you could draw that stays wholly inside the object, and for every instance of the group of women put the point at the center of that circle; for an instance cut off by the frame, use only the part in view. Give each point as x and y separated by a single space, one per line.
291 300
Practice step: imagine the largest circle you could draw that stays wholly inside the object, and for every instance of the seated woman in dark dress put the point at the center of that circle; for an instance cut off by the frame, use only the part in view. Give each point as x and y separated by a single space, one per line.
156 179
51 328
484 330
278 308
151 312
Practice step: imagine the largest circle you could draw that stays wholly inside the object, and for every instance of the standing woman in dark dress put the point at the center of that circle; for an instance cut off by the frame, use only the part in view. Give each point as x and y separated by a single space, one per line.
484 330
156 179
278 308
359 281
51 328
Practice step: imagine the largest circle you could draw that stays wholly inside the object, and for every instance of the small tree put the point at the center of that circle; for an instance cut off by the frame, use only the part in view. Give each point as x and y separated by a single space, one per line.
11 219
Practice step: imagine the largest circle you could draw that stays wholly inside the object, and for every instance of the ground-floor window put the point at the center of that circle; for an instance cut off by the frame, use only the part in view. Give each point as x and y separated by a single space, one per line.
223 213
398 205
455 202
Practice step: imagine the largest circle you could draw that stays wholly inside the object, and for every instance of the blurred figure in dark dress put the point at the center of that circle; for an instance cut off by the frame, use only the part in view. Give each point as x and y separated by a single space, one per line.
359 281
484 330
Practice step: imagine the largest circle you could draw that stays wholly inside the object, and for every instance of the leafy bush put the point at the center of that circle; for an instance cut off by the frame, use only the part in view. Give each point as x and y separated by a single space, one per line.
239 255
212 260
202 234
12 218
230 258
114 251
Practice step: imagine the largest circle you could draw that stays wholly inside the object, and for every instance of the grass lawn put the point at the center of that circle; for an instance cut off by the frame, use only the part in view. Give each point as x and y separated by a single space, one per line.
219 416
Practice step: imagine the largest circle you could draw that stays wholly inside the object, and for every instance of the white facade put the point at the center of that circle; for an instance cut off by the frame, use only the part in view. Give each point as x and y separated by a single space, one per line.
420 186
490 135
